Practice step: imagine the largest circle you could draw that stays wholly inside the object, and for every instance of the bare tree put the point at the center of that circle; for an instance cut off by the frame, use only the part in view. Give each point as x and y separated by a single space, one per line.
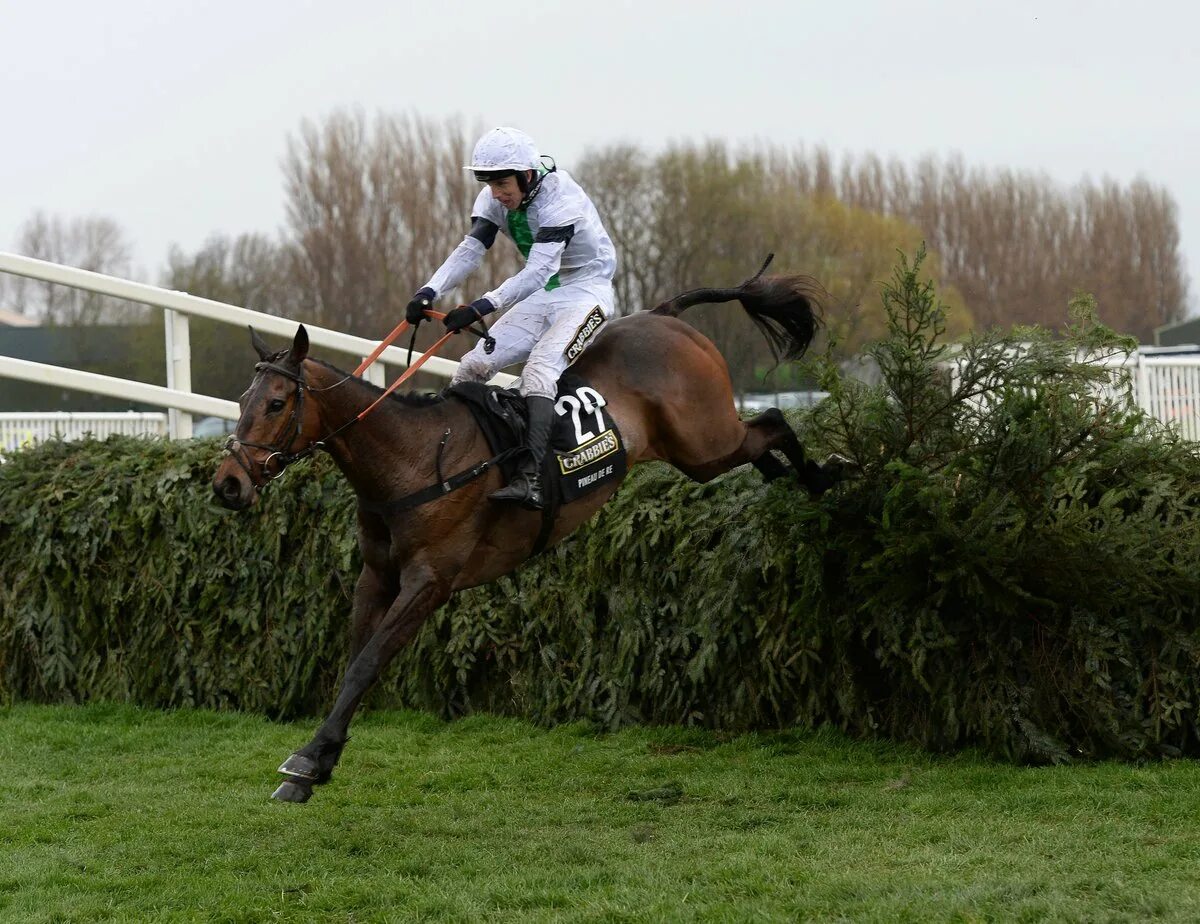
249 271
705 215
95 244
373 209
622 183
1018 246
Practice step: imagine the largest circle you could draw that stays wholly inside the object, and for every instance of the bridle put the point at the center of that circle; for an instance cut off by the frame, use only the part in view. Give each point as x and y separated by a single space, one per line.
234 446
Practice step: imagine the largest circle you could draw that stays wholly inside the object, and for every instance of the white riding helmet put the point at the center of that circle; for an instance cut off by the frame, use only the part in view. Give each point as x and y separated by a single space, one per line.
504 150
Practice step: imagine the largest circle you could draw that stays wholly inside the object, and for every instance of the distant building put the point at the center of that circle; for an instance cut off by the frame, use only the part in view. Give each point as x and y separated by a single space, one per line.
1179 333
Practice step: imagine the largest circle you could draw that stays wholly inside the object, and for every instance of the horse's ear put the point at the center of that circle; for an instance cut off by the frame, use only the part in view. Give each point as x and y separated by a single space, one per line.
260 347
299 348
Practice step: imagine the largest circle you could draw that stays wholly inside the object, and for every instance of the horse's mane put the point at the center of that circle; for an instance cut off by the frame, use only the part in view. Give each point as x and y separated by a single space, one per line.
408 399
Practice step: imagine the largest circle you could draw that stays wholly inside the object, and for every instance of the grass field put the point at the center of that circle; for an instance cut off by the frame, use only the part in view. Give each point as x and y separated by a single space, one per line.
114 813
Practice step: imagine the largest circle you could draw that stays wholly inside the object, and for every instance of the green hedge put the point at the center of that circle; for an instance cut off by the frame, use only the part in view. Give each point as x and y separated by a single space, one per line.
1017 566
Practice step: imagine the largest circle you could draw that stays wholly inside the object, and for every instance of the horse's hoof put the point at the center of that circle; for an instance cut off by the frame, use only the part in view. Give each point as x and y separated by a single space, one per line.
840 467
301 767
291 791
833 471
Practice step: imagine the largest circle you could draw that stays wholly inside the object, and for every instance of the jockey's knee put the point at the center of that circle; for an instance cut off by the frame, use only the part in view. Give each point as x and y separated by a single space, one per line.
540 382
472 369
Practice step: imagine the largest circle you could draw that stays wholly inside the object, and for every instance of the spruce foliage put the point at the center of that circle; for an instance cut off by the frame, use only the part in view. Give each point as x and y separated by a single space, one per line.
1015 564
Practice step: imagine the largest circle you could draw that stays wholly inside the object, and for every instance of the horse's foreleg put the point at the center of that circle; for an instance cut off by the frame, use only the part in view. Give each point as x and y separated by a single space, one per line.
373 595
314 762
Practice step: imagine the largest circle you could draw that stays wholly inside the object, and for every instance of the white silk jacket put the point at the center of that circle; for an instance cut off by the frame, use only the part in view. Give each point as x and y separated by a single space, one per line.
559 233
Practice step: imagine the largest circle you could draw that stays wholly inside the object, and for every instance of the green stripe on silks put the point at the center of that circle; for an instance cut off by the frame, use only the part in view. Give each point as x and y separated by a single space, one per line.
518 227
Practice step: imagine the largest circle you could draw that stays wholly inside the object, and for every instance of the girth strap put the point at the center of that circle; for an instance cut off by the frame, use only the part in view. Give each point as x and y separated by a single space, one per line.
434 491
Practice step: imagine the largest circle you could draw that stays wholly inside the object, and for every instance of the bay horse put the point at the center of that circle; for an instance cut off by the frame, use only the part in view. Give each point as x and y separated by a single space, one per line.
667 388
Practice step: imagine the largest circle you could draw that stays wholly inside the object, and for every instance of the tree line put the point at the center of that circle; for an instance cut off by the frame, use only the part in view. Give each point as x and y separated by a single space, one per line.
373 204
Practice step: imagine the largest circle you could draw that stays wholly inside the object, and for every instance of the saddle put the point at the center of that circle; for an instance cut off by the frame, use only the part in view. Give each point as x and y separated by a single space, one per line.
585 451
500 413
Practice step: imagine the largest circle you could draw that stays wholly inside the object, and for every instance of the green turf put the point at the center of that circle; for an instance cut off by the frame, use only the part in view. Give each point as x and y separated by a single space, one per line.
114 813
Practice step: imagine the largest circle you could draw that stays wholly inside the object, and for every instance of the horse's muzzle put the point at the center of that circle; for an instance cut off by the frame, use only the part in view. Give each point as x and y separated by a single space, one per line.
236 493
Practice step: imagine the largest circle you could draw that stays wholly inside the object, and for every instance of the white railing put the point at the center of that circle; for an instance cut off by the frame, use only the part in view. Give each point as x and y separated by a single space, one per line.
1168 388
178 306
1166 385
118 388
1163 382
17 430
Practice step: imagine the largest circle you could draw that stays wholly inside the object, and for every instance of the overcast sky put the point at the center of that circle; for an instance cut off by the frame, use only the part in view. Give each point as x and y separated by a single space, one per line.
172 118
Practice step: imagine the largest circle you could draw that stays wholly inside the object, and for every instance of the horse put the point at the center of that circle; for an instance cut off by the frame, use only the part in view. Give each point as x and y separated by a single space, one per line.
422 539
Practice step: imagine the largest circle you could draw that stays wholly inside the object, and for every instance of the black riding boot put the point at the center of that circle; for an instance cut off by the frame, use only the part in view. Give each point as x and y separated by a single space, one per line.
526 486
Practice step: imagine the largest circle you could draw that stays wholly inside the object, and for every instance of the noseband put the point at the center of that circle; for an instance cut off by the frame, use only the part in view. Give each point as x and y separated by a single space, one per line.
235 447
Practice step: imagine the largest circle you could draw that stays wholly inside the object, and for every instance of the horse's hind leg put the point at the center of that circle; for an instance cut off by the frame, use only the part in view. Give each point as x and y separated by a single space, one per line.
754 440
764 433
695 425
770 467
767 432
777 433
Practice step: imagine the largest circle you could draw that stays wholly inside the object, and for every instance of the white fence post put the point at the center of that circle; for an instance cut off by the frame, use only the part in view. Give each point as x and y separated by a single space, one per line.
1141 388
376 373
179 369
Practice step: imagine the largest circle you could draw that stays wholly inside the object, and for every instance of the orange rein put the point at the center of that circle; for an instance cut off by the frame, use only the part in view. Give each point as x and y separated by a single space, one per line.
387 341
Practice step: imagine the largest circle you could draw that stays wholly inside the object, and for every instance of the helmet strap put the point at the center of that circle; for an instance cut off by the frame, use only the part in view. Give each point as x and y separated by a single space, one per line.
530 189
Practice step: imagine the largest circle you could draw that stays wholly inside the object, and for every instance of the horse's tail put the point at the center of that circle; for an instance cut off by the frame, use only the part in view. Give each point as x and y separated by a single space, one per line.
787 309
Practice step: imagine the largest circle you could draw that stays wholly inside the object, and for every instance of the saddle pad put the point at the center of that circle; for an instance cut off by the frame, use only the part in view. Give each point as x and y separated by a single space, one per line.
586 450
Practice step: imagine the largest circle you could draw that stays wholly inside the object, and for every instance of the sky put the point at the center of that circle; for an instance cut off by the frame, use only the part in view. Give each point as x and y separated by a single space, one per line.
172 118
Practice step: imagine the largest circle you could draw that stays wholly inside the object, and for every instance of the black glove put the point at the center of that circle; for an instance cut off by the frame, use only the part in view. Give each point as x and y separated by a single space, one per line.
466 315
415 312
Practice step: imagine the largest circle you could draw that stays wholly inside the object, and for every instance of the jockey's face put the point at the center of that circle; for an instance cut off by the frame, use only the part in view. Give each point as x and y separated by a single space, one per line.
507 192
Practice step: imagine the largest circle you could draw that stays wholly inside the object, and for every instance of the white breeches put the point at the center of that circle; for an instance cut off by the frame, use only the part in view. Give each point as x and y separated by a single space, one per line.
541 331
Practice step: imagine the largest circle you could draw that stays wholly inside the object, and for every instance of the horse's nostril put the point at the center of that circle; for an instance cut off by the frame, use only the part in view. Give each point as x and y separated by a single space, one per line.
227 489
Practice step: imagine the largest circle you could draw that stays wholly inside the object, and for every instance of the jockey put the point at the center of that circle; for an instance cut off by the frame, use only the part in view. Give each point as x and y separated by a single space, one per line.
553 306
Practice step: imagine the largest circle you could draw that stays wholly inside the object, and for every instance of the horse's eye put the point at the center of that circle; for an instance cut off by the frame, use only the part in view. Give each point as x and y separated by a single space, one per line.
275 404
